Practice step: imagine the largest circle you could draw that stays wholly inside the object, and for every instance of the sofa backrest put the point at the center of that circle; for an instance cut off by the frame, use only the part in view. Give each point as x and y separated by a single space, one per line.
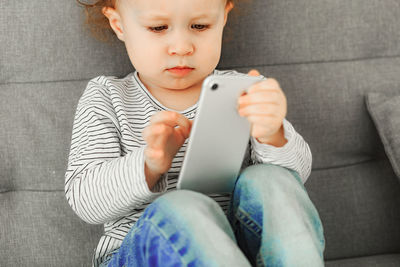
326 54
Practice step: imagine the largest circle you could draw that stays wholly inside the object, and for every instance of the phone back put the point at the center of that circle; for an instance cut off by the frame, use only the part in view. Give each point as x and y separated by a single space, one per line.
219 136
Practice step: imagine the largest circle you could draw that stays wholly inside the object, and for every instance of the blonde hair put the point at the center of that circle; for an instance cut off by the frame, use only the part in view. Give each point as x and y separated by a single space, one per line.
98 23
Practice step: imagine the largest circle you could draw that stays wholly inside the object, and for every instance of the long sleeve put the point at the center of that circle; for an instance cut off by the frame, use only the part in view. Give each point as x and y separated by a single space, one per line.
294 155
100 184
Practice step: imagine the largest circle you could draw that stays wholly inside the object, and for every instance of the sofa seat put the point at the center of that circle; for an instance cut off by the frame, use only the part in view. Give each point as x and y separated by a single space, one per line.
388 260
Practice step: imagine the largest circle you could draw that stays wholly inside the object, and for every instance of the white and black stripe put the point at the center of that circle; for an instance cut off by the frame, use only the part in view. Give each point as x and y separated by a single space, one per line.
105 182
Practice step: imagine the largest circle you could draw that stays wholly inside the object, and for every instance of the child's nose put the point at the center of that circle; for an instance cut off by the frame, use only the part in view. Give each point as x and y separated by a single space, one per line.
181 45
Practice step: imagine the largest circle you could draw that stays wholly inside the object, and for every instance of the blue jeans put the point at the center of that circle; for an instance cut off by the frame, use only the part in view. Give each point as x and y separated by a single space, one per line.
271 222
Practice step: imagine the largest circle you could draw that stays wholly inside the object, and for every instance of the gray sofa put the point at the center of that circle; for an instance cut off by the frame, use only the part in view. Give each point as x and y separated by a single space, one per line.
327 56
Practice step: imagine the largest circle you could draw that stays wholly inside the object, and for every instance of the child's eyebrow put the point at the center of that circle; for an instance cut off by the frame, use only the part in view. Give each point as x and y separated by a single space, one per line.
166 17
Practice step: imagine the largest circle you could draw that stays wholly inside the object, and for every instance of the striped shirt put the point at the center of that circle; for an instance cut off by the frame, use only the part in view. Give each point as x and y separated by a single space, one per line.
105 181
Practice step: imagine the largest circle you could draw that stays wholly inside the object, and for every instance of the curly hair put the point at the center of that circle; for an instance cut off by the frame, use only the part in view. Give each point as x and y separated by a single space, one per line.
98 23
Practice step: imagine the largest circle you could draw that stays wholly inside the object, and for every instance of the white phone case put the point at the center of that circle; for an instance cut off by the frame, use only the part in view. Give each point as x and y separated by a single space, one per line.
219 136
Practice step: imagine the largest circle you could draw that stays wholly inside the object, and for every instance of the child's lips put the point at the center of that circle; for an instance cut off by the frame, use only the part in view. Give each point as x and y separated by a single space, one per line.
180 71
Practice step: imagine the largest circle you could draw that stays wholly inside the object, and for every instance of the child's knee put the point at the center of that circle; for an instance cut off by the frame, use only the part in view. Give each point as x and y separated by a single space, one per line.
188 203
184 209
184 198
268 177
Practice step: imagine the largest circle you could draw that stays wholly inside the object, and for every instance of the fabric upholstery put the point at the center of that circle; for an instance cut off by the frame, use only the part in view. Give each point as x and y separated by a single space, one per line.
385 112
48 41
38 228
35 129
359 208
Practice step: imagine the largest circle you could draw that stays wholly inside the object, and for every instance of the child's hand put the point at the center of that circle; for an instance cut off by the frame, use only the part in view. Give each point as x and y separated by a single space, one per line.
164 140
265 107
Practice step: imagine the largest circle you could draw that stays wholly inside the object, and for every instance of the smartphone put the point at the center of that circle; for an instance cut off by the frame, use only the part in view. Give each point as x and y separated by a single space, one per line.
219 136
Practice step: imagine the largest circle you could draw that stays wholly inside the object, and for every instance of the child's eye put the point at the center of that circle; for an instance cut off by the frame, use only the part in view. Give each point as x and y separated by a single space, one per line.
158 29
200 27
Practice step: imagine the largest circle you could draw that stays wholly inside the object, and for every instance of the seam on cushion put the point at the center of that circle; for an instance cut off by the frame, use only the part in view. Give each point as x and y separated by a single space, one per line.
346 165
30 190
315 62
55 81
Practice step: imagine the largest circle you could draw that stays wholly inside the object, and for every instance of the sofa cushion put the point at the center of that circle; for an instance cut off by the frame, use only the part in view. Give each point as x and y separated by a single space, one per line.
40 229
359 208
49 42
385 112
268 32
35 129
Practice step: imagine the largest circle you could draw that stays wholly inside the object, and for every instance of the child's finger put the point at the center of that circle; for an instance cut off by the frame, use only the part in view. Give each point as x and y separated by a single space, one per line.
270 121
265 96
259 110
269 83
172 119
253 72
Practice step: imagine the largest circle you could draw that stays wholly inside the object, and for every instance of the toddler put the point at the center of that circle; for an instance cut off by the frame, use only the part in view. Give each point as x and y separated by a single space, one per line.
129 139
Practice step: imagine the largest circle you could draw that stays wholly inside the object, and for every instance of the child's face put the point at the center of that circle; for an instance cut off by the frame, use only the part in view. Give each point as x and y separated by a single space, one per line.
160 35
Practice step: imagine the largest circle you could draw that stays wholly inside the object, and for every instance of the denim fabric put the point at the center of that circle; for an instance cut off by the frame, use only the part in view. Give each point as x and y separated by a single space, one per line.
271 222
274 220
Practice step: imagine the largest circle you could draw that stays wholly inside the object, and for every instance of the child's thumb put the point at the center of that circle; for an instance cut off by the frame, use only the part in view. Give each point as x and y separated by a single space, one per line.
253 72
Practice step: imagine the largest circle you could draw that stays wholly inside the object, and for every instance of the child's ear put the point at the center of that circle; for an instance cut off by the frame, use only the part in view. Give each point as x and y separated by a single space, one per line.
114 19
228 8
